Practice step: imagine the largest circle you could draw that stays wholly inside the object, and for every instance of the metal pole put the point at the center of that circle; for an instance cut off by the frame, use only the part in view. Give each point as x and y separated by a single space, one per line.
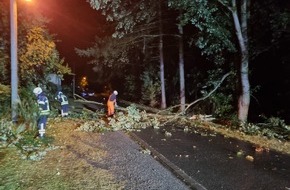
14 59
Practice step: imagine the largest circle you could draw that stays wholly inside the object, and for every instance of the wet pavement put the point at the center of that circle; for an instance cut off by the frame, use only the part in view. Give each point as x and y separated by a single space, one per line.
205 160
212 161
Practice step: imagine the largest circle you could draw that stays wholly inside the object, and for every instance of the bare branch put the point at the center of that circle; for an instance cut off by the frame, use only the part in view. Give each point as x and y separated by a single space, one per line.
210 93
198 100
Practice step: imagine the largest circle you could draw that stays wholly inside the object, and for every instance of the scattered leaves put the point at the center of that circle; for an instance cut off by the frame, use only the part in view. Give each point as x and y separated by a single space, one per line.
250 158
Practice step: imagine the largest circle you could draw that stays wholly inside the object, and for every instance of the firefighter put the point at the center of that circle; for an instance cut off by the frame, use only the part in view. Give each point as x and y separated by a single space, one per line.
44 110
63 103
112 103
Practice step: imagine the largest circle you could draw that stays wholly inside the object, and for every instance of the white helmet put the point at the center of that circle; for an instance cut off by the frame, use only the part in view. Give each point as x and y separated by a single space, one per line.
115 92
37 90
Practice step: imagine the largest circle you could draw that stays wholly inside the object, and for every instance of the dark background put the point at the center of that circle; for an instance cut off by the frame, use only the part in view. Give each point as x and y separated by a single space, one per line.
76 25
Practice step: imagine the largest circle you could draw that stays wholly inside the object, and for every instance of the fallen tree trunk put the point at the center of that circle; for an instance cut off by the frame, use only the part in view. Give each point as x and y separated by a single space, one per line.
141 107
90 102
157 112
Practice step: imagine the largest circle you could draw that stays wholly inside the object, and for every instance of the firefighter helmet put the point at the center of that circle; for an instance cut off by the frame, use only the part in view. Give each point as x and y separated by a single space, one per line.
37 90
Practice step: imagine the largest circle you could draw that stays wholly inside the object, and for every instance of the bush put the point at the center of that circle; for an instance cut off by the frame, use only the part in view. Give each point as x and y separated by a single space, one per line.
150 88
28 108
5 100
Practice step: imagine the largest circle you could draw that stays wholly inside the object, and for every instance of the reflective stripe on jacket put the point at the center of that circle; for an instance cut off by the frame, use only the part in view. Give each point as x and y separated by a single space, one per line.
62 99
43 104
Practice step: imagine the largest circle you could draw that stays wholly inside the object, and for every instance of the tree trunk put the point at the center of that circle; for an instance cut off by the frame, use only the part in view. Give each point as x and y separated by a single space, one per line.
181 70
241 31
163 97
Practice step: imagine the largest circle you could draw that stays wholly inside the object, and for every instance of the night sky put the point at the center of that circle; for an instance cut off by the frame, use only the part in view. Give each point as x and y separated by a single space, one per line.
76 24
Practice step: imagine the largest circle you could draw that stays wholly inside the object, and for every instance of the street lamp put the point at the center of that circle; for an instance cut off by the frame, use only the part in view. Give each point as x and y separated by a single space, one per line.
14 59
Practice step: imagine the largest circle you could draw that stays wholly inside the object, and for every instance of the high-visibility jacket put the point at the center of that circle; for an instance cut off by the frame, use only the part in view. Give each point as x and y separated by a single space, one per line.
62 99
112 100
43 104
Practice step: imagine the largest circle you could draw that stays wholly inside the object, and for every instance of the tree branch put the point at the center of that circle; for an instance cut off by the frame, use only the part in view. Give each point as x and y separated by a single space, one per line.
198 100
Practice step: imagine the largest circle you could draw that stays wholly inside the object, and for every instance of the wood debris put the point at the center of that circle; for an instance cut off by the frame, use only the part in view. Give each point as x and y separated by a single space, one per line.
202 117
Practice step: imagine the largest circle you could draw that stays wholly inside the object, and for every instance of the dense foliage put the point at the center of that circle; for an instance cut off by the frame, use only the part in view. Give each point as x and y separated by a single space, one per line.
139 48
213 46
37 58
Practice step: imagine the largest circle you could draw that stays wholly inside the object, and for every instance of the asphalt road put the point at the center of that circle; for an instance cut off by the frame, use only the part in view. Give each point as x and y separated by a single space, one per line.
210 161
213 162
